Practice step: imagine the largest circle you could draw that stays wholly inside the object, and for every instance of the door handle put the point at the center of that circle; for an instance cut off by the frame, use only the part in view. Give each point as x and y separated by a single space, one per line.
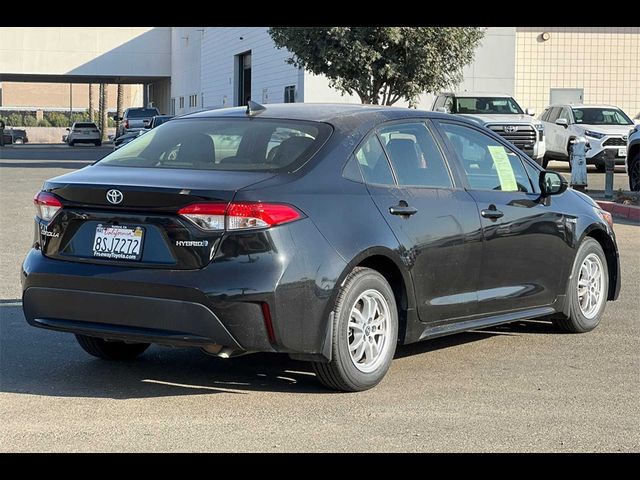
402 210
491 213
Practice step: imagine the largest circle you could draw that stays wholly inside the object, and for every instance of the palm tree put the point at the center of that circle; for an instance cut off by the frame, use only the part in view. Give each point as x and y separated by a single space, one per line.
119 106
104 117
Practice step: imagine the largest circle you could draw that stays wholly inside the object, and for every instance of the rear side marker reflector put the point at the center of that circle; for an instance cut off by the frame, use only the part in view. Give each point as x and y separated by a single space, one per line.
239 215
47 205
266 313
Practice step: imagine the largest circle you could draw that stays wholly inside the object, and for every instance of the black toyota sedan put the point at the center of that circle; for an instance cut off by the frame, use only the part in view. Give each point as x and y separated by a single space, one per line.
331 233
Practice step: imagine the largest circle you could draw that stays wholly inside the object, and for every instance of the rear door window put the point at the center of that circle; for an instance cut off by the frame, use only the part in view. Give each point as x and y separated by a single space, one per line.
415 156
373 162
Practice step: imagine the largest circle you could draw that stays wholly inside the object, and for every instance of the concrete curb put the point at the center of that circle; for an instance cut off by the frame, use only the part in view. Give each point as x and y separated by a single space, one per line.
630 212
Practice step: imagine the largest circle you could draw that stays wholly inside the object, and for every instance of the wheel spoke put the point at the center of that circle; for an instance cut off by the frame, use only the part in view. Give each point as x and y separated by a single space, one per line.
368 308
355 325
357 342
359 352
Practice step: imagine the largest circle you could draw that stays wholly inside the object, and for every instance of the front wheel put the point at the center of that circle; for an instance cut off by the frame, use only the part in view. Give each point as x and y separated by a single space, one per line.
365 333
588 289
114 350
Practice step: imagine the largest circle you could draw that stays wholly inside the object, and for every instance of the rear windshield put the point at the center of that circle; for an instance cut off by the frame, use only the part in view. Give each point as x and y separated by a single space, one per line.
224 144
143 113
84 125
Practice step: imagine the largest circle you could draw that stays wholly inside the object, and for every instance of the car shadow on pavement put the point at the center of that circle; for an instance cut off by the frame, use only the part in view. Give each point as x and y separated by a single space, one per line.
42 362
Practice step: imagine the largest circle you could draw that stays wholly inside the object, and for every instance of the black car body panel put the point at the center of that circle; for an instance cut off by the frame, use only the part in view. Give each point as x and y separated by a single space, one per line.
450 268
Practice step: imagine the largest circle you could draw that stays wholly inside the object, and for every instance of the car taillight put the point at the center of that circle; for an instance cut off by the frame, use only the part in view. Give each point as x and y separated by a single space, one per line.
240 215
126 124
208 216
47 205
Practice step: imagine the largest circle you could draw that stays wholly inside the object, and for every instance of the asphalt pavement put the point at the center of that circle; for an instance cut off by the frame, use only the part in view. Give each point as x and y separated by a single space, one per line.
520 387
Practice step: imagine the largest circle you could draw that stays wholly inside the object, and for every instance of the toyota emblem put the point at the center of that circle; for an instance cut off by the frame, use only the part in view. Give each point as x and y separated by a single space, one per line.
114 196
510 128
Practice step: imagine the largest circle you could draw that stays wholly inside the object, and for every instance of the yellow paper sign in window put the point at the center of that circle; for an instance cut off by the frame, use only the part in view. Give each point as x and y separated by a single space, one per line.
503 167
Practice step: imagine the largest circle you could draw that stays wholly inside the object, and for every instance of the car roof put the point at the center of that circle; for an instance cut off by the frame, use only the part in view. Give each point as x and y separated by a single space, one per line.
337 114
478 94
582 105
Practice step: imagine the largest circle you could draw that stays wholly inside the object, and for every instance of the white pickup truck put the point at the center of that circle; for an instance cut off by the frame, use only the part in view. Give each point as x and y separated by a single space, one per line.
500 113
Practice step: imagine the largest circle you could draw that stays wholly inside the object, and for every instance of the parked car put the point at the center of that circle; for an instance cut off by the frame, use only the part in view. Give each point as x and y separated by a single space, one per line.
328 232
135 119
15 136
83 132
127 137
632 161
500 113
605 127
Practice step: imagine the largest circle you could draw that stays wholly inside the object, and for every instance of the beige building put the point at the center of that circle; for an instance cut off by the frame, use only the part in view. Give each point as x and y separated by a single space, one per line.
45 96
600 64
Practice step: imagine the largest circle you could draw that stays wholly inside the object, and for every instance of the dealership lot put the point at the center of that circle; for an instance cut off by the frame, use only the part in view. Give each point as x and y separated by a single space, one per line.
518 387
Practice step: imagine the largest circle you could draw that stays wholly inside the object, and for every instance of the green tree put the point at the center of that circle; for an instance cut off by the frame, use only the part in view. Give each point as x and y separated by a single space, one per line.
29 121
382 64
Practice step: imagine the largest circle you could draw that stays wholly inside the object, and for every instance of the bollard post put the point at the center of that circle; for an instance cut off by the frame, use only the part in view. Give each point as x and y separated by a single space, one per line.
609 168
578 159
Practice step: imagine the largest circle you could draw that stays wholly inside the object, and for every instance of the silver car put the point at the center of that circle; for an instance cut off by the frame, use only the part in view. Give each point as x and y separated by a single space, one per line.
83 132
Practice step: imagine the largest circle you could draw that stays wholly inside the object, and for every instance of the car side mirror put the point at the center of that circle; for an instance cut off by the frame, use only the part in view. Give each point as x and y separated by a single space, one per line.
552 183
562 122
530 111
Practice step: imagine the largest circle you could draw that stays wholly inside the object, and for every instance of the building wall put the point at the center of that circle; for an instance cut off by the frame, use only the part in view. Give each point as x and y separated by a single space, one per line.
270 73
56 95
186 45
121 51
604 61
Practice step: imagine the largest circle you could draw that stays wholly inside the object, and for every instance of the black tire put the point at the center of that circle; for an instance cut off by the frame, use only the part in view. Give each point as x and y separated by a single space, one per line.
576 321
98 144
72 144
634 173
600 167
545 162
100 348
341 372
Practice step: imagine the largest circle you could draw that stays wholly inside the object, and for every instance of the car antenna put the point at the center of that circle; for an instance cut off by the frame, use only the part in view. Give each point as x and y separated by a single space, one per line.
253 108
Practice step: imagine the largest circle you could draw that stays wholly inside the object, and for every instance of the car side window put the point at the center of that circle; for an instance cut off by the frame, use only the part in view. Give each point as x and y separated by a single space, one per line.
448 104
545 115
553 114
373 162
488 164
564 114
439 102
415 155
534 176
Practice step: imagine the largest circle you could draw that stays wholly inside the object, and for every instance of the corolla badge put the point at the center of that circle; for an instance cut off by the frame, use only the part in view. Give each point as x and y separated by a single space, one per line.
114 196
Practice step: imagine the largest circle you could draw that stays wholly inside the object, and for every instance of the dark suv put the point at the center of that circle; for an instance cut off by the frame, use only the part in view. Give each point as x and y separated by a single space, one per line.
135 119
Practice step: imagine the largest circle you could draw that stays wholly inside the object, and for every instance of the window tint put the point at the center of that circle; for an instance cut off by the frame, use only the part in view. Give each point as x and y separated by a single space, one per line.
351 170
553 114
143 112
415 156
84 125
487 163
222 144
373 162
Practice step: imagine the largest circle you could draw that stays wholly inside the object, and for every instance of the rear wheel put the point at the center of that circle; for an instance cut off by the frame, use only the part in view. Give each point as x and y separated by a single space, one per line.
365 333
115 350
634 173
588 289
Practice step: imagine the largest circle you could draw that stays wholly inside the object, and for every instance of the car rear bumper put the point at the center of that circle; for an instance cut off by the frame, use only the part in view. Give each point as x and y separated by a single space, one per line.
250 297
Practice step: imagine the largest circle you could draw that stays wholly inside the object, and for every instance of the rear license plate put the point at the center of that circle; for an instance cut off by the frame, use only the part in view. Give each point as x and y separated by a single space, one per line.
118 242
622 152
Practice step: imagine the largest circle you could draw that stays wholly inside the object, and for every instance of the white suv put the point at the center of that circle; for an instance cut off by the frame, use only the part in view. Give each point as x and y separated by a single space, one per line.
83 132
605 127
502 114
